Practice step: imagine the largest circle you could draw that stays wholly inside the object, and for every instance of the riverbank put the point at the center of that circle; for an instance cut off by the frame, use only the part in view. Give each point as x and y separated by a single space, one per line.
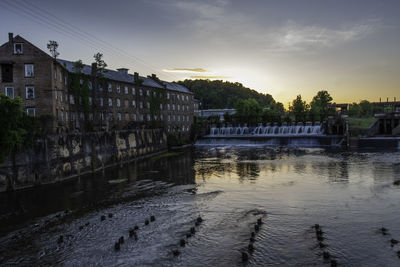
63 157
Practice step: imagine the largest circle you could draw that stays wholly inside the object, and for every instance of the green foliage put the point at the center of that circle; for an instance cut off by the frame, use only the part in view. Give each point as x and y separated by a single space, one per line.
299 108
363 109
18 130
248 111
78 66
52 46
219 94
101 64
319 106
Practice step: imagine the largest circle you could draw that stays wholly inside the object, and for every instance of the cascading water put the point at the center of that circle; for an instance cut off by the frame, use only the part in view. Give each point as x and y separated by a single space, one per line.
285 130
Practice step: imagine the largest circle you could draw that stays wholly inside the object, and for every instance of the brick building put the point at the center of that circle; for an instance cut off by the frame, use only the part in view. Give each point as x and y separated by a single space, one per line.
80 96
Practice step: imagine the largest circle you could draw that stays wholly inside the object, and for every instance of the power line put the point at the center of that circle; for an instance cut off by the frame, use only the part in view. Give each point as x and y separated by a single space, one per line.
69 29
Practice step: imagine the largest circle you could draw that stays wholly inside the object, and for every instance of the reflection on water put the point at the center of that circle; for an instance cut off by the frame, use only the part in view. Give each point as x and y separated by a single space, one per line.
350 195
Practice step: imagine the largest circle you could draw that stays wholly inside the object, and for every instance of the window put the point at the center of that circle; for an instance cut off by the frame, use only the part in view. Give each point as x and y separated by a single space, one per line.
90 100
179 97
55 74
65 79
148 117
110 116
80 81
169 118
187 98
173 107
61 97
110 87
9 91
141 117
147 92
161 117
148 105
100 87
155 117
140 92
72 116
101 116
118 102
55 93
119 116
133 91
61 82
126 103
179 107
140 104
7 73
31 111
167 95
29 70
168 106
134 103
101 102
18 48
110 102
127 116
90 116
62 115
90 85
126 90
161 106
66 115
118 89
30 92
134 117
155 94
71 100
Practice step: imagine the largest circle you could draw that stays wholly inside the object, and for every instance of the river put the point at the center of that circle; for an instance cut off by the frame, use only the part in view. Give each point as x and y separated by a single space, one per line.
351 195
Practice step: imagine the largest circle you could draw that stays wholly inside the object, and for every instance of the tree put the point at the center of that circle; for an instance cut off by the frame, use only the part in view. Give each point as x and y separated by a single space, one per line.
366 108
299 109
248 111
354 110
319 106
101 64
53 46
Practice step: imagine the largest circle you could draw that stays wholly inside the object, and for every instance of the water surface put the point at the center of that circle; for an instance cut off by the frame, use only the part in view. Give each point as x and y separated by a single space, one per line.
351 195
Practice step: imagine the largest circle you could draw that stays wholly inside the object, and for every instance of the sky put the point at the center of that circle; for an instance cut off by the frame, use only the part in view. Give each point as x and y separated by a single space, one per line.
284 48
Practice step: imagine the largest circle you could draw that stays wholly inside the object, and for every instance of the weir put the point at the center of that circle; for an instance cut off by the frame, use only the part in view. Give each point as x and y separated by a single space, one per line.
298 129
296 135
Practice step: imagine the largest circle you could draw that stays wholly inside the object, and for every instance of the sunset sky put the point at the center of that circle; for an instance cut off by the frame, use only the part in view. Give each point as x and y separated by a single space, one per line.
284 48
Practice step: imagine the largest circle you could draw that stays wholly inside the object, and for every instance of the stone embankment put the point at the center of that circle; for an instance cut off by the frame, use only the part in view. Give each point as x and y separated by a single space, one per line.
60 157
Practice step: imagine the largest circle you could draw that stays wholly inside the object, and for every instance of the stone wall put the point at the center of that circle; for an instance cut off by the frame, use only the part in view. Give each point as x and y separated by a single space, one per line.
61 157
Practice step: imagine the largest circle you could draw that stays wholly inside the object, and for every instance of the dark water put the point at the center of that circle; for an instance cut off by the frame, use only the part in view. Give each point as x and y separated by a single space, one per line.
351 195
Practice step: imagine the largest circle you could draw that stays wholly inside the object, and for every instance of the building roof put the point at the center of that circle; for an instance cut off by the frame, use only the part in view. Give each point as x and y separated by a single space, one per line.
111 74
176 87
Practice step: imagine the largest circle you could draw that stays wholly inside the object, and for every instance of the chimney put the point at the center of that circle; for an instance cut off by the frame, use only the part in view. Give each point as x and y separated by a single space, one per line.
380 100
394 99
135 76
154 76
10 37
387 99
123 70
94 69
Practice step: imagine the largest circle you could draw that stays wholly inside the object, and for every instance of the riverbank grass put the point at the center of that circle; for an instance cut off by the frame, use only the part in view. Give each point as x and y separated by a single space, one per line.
360 123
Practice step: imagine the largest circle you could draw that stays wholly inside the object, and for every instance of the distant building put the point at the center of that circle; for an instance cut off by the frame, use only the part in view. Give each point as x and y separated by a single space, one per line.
114 99
205 113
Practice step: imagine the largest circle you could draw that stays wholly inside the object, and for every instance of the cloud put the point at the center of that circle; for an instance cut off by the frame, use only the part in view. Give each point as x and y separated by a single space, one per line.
210 77
226 28
186 70
294 37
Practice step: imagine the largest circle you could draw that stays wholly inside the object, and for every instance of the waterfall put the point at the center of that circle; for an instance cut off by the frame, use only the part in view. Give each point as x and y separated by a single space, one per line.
269 130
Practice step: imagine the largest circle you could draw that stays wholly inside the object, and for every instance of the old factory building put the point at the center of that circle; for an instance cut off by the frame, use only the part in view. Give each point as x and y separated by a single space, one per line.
78 96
